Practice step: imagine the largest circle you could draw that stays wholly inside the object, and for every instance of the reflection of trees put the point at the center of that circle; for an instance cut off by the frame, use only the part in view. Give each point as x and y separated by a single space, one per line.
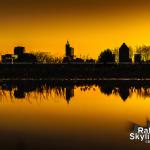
55 90
106 90
38 90
143 92
122 91
125 91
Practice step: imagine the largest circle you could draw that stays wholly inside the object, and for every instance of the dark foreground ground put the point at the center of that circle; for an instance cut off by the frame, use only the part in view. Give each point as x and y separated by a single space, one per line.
75 71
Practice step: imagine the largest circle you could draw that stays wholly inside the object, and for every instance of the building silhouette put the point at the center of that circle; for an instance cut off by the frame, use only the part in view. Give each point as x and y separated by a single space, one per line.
124 54
8 58
69 56
22 56
26 58
19 56
19 50
69 50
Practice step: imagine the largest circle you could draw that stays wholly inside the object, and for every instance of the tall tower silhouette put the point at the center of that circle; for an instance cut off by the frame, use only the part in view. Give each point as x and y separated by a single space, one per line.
69 50
124 53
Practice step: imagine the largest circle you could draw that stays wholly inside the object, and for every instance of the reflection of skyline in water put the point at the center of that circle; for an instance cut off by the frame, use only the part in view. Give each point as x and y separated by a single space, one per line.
36 114
23 89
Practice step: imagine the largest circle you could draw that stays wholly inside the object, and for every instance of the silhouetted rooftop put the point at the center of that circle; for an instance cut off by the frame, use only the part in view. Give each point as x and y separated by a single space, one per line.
124 46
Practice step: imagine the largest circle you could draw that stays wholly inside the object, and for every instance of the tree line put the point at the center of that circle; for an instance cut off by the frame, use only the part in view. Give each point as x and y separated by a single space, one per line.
105 56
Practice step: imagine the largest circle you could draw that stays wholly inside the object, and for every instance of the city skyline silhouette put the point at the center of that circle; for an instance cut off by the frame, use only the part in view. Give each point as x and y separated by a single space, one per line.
92 26
74 74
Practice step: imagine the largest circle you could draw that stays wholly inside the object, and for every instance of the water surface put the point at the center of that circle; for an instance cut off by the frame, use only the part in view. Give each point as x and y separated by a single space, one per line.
45 115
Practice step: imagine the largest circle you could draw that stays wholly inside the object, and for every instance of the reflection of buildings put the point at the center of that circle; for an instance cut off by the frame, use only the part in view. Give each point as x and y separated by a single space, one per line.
69 93
124 93
124 54
21 89
122 90
19 94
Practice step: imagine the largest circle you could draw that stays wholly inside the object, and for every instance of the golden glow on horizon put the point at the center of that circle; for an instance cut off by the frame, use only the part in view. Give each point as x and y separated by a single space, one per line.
90 27
54 115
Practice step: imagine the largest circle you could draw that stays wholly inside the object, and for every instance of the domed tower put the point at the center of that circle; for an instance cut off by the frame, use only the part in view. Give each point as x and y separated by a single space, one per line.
124 53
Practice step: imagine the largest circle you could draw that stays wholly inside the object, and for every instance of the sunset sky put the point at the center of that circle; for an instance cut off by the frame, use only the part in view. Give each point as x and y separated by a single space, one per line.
90 25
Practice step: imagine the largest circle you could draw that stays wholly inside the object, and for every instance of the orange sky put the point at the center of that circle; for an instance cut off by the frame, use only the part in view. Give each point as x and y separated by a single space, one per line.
90 25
